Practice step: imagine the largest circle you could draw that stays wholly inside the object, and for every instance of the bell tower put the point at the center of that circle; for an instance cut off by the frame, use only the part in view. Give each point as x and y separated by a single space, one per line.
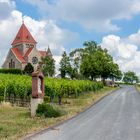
23 40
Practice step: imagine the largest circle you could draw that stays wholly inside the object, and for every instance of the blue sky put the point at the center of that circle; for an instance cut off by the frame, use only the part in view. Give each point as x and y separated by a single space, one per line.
128 26
65 25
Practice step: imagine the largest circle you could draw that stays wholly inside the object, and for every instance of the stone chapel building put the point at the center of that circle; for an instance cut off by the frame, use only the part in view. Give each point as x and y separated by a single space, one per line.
24 51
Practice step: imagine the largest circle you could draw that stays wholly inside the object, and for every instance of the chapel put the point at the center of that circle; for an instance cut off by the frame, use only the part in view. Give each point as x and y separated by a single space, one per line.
24 50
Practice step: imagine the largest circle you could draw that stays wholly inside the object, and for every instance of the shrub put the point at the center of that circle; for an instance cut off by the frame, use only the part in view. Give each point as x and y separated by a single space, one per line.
41 109
46 99
51 112
1 98
28 69
11 71
48 111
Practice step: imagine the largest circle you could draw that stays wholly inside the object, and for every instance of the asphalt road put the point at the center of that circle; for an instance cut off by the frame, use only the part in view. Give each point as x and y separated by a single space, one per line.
116 117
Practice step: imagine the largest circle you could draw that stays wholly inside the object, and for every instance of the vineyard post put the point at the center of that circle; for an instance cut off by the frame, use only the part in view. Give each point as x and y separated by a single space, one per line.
37 91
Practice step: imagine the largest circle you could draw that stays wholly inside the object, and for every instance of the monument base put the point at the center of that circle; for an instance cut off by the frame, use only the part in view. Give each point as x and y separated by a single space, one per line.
34 105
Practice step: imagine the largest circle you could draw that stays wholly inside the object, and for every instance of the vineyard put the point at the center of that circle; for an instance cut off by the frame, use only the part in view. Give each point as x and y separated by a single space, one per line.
19 86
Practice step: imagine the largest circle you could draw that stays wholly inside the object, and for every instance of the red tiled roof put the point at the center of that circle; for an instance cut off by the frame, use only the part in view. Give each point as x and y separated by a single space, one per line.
43 53
18 55
28 52
23 35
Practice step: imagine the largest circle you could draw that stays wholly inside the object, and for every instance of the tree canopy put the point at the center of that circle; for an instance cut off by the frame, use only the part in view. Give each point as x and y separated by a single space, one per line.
130 77
96 62
48 66
65 66
28 69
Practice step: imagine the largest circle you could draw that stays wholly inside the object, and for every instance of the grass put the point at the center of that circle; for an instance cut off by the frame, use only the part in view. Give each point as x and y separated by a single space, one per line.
138 87
15 122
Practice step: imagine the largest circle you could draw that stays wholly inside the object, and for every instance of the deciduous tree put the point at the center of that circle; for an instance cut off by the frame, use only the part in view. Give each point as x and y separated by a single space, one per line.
28 69
65 66
130 77
48 66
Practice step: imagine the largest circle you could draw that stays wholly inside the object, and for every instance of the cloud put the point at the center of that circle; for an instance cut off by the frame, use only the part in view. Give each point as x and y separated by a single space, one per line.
6 6
124 53
91 14
47 33
135 38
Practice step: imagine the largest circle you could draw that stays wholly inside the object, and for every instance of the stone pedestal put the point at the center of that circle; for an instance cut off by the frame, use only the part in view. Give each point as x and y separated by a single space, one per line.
34 105
37 91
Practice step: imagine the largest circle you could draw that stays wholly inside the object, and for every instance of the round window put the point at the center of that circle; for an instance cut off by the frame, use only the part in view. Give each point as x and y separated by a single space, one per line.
34 60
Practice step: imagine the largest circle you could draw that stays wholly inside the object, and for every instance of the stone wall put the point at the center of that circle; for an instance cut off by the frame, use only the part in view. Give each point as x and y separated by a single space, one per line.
10 56
34 53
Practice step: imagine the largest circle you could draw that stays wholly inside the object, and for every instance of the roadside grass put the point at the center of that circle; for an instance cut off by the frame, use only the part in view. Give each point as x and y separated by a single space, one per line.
15 122
138 88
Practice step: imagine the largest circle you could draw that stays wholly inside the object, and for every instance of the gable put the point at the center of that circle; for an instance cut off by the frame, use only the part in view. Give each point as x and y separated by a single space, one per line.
23 35
10 56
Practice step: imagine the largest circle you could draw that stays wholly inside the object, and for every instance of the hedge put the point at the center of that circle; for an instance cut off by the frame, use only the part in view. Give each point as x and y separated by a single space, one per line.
11 71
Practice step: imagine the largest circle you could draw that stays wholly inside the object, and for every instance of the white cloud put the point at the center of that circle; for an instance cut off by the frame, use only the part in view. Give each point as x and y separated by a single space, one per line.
135 38
47 33
124 53
91 14
6 6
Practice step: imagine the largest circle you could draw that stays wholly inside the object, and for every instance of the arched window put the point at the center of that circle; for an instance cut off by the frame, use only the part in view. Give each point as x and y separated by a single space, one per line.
11 64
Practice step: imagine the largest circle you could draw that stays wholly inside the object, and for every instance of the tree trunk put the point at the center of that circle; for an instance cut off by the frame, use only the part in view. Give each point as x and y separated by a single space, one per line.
51 99
103 80
59 100
92 77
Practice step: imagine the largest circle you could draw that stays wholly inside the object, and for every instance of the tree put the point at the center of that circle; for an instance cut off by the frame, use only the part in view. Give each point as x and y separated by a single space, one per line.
117 74
96 62
65 66
48 66
75 64
130 77
29 69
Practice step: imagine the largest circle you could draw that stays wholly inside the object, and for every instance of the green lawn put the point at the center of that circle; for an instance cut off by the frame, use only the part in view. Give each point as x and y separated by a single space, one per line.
15 122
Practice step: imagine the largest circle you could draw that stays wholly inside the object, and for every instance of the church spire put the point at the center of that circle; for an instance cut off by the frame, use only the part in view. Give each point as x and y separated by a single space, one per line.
23 36
49 51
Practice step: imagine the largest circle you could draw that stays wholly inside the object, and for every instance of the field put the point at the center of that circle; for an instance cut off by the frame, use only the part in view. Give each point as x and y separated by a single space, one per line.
19 86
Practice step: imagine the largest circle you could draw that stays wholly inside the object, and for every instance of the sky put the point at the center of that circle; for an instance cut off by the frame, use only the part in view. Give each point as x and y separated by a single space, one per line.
64 25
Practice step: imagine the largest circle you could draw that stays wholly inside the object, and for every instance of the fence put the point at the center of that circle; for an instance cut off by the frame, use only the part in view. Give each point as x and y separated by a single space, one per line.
24 102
